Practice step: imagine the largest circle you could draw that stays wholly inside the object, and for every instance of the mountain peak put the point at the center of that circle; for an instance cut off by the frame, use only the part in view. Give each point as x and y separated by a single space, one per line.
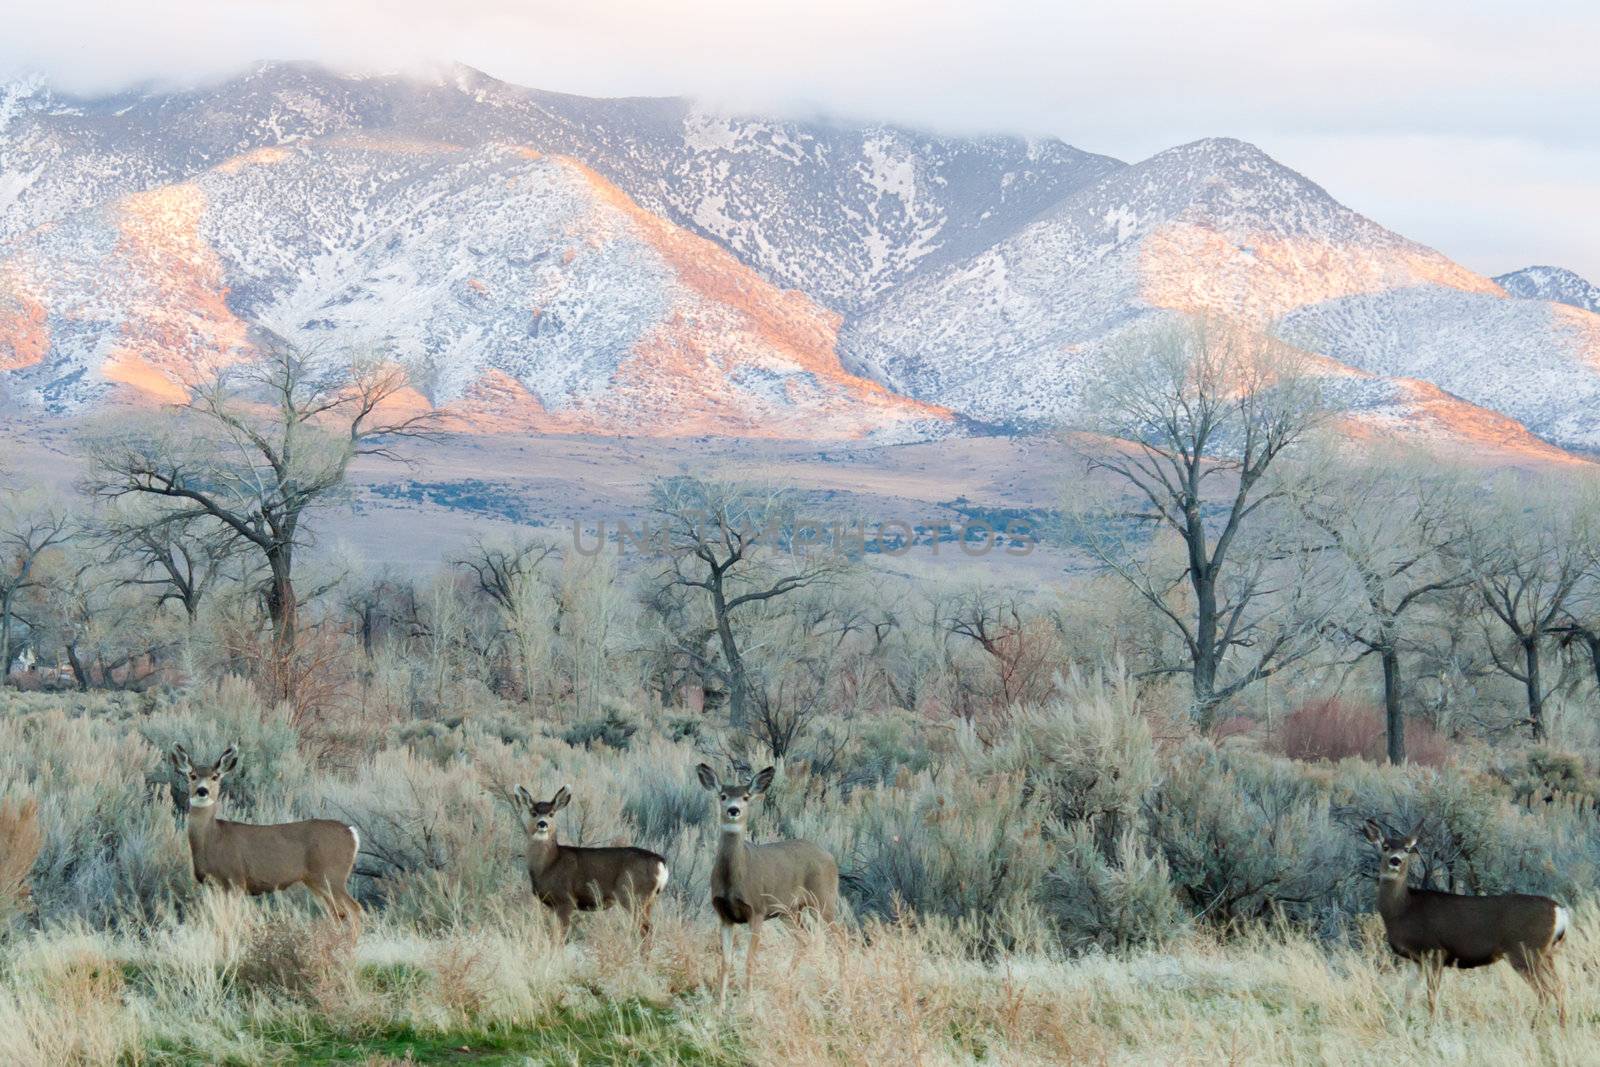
1552 283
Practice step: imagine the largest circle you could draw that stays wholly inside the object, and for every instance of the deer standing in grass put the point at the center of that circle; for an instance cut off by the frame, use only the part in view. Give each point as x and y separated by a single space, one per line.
1438 930
316 853
753 883
566 879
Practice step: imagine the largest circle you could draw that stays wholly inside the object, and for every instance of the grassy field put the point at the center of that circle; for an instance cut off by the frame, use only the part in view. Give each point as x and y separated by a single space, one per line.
237 982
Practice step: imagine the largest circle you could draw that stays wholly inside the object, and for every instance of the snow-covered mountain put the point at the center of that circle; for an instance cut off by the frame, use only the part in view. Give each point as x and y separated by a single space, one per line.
1552 283
525 291
841 212
1015 334
647 266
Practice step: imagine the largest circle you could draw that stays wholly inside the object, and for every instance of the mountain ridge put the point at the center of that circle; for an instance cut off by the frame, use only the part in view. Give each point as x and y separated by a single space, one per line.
535 254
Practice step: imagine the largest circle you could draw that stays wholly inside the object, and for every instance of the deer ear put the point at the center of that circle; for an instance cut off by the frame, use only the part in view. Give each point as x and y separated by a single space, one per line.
759 783
229 760
708 777
180 759
523 797
1374 834
562 798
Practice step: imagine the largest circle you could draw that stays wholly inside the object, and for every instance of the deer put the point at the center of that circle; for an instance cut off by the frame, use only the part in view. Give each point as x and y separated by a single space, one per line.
568 879
1436 930
753 883
319 854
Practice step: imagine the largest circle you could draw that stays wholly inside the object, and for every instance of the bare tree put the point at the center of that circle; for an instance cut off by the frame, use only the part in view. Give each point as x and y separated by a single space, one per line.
1394 526
1208 409
1531 546
173 552
511 578
30 527
1022 644
736 545
255 449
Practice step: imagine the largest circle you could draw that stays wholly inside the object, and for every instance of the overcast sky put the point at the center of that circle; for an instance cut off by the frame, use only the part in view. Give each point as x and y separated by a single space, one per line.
1459 124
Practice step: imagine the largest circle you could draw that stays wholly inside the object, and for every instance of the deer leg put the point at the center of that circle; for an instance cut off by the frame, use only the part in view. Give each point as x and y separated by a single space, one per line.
644 925
1413 981
1539 971
750 952
351 906
722 968
324 900
563 922
1433 969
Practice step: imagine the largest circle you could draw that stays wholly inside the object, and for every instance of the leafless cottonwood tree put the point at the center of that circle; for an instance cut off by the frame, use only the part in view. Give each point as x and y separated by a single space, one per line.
1019 641
1208 409
510 577
734 545
31 526
1531 545
178 558
255 449
1393 525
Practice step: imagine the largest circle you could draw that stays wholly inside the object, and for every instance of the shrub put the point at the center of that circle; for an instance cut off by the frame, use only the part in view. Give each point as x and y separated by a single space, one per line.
611 730
1333 729
1116 903
109 849
20 842
298 959
1247 838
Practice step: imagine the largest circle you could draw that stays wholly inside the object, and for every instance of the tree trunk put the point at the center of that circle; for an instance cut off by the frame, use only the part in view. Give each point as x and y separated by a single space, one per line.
281 612
6 652
1205 658
79 671
738 690
1530 650
1393 714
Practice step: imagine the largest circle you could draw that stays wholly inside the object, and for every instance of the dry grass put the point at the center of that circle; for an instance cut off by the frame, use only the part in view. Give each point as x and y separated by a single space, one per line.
249 984
20 842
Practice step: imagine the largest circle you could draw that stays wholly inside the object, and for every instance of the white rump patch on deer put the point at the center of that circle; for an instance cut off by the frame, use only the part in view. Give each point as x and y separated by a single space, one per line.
355 835
661 878
1563 917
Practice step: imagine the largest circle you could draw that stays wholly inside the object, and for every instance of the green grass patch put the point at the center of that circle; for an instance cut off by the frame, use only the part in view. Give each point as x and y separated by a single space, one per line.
629 1032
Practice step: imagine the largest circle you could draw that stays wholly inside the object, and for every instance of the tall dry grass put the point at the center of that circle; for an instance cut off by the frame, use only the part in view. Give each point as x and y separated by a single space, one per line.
20 842
246 983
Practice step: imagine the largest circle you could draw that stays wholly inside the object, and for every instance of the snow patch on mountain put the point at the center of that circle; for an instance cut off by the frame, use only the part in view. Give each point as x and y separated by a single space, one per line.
1552 283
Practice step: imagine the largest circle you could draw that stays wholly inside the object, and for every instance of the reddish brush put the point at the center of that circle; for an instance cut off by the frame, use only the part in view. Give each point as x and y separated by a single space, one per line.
1333 729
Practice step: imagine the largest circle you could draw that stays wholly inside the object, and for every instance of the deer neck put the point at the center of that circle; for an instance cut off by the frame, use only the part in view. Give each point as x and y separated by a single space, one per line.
202 825
1392 894
542 852
731 852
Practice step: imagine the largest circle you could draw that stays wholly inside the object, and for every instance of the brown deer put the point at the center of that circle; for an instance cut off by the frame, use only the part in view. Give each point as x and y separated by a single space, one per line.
1438 930
316 853
753 883
566 879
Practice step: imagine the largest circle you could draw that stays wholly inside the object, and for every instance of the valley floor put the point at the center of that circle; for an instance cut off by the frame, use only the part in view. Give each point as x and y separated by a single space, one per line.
238 983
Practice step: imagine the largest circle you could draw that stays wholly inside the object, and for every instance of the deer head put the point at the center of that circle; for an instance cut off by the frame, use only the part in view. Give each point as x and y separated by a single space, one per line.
205 783
540 823
1394 852
733 799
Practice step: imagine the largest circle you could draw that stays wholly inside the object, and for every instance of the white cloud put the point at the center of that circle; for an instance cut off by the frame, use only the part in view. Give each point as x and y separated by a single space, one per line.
1394 107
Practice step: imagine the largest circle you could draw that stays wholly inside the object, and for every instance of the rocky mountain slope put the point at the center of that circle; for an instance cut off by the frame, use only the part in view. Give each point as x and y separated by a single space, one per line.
1015 334
553 262
1552 283
526 291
